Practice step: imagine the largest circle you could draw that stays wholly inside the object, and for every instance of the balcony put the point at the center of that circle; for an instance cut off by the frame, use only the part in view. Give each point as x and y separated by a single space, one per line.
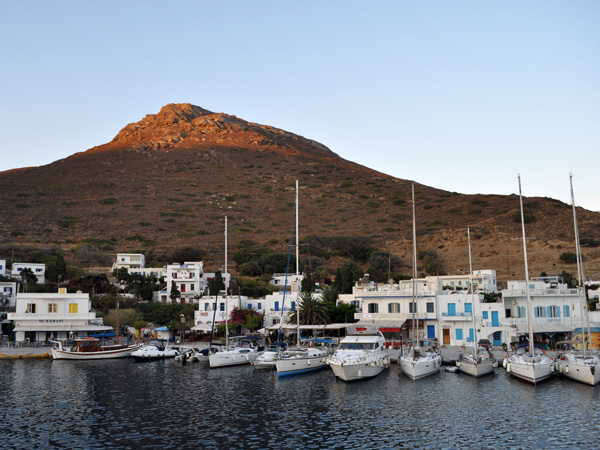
51 317
457 317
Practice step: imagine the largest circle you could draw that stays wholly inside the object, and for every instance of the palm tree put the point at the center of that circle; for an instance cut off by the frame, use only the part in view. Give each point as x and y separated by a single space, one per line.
312 310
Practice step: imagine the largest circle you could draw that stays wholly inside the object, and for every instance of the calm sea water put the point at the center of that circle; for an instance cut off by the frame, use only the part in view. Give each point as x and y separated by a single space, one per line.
167 405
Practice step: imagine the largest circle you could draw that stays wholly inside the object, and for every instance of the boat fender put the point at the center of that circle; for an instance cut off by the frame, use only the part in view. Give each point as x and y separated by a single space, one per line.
504 363
567 370
560 369
508 367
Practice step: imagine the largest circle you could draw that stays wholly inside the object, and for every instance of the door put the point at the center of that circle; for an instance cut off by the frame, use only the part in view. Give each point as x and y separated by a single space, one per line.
446 336
451 309
431 331
495 320
497 338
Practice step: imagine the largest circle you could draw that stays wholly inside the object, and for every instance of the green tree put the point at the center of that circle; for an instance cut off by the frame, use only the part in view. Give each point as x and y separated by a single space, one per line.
346 276
175 294
308 283
568 257
312 309
381 265
216 284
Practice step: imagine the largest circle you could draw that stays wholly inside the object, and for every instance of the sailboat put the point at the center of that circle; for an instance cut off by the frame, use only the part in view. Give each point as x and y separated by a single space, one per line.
420 357
579 365
476 361
529 363
245 349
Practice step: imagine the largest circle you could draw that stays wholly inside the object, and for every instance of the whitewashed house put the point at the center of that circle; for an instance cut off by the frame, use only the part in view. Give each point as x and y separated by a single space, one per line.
556 310
191 282
8 293
483 280
455 318
3 272
129 261
41 316
39 270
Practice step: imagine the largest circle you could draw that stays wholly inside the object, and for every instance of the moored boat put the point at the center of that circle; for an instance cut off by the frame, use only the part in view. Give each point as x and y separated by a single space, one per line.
420 358
476 362
361 354
157 349
244 351
576 364
311 356
91 348
266 358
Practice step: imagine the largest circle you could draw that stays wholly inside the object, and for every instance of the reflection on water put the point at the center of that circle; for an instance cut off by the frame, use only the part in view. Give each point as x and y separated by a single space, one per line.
164 405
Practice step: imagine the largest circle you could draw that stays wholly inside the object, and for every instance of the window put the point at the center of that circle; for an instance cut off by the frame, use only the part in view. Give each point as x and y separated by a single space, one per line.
553 311
222 306
566 311
293 306
522 311
485 315
468 308
206 306
259 306
52 307
394 308
410 307
73 308
183 287
373 308
276 306
276 320
249 305
31 308
539 311
430 307
459 334
191 287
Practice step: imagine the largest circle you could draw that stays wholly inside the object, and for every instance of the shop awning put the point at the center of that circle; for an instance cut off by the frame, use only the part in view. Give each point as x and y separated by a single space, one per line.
63 327
549 327
202 327
385 326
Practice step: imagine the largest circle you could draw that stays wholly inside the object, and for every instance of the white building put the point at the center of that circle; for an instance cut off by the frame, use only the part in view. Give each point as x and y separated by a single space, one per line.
483 280
129 261
446 315
39 270
190 280
158 272
41 316
556 308
2 268
293 281
8 294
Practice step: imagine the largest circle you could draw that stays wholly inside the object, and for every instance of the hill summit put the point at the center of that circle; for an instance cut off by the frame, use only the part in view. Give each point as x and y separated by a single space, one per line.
167 182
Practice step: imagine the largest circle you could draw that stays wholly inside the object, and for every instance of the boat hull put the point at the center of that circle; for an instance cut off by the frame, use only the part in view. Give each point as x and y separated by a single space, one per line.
353 371
147 356
105 354
532 373
477 369
295 366
225 359
420 368
588 374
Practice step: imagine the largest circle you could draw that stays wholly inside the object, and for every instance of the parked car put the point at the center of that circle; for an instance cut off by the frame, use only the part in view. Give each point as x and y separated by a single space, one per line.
485 343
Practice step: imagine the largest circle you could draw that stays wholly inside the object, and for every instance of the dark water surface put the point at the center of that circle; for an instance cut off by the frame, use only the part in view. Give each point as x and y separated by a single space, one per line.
167 405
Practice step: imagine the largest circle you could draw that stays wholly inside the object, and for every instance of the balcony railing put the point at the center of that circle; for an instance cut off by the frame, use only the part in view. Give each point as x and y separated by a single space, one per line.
460 316
52 316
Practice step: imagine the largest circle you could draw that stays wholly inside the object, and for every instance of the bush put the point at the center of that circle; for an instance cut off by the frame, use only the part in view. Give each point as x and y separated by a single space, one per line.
568 257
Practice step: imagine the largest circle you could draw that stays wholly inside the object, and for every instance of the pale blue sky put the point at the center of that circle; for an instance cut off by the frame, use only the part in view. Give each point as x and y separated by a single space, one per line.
458 95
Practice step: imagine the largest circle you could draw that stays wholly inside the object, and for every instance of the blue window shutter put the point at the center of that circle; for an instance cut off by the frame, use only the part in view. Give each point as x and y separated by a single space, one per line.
459 334
557 311
485 314
389 308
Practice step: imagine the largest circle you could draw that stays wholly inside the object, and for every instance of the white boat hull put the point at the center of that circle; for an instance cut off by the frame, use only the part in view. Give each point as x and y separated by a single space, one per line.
224 359
106 354
294 366
533 373
420 367
588 374
478 369
352 371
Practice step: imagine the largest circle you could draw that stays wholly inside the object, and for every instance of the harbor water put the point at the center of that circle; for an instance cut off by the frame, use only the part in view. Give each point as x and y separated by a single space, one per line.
47 404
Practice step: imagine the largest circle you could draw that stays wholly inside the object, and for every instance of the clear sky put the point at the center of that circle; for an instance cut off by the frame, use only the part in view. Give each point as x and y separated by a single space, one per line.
458 95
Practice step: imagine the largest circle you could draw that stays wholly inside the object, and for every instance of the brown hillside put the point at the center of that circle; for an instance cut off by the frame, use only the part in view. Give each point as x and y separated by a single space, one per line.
168 180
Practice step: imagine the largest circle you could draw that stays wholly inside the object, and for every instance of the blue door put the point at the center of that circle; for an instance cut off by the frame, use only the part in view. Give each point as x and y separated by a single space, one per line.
431 331
451 309
498 338
468 308
495 320
471 335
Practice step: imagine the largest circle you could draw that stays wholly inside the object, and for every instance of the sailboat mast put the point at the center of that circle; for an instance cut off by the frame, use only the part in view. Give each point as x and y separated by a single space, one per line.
226 286
579 267
529 310
297 268
414 281
472 291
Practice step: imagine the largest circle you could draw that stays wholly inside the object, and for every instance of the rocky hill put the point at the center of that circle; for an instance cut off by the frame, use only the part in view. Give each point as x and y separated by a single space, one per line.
167 182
